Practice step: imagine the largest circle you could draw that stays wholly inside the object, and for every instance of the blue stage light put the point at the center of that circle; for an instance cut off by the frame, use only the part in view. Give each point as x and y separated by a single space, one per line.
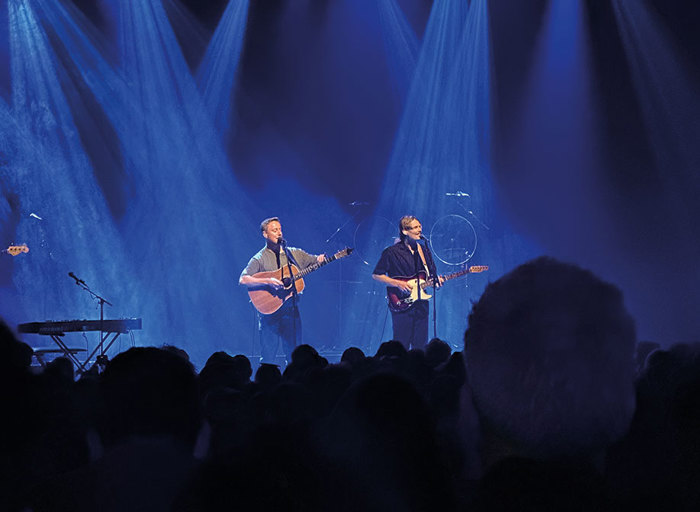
71 229
217 71
442 146
401 44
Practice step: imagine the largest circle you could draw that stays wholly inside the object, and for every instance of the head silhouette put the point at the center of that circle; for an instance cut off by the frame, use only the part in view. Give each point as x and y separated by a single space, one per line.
549 354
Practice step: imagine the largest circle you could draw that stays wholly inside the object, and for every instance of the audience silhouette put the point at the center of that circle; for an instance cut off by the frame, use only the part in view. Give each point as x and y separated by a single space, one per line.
551 406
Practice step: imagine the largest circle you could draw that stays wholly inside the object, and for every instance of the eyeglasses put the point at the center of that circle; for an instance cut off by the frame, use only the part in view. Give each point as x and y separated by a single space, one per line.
413 227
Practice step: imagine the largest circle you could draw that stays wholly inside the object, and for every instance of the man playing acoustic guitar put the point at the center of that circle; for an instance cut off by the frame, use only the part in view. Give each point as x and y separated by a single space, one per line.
285 322
398 264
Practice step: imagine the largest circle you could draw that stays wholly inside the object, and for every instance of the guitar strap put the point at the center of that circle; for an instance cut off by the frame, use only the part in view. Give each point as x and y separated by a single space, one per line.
289 254
422 257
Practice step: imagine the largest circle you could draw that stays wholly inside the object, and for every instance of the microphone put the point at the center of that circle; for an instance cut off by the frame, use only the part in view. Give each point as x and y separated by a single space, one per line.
459 193
77 281
282 242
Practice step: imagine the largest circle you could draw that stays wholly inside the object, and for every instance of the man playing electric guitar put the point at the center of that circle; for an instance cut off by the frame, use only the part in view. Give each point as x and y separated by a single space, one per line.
408 257
285 322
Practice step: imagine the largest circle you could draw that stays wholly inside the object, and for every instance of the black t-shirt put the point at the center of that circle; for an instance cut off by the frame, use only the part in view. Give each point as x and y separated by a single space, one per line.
398 261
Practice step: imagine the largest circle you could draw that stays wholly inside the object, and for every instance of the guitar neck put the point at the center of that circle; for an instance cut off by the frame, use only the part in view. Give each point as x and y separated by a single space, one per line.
457 274
447 277
314 266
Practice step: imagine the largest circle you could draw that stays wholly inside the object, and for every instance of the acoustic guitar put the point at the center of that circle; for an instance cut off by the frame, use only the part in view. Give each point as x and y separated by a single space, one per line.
267 300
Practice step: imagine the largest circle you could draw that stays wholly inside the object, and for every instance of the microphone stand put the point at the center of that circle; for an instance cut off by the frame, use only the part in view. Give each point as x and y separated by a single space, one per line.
340 228
102 358
339 339
283 244
469 212
435 290
435 311
435 287
417 266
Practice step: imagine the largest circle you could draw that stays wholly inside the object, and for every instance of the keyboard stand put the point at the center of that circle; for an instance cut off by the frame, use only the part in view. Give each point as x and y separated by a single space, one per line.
68 352
41 352
109 332
102 348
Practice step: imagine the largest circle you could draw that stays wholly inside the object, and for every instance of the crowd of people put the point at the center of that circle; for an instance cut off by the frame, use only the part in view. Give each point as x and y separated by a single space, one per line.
552 405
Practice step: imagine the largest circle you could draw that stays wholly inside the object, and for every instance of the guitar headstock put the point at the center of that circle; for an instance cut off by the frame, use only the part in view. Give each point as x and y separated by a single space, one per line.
475 269
343 253
14 250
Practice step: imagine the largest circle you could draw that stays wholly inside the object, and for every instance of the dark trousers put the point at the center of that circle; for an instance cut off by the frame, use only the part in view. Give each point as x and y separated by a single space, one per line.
282 325
411 326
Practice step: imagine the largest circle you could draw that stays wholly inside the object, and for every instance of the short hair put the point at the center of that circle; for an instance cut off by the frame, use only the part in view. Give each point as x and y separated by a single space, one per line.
263 224
549 356
437 352
404 223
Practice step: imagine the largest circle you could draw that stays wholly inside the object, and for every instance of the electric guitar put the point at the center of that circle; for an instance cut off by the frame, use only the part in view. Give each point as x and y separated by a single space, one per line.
14 250
267 300
400 300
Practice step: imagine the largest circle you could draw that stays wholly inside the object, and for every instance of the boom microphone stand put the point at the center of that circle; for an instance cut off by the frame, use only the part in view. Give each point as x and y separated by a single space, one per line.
339 339
459 194
102 358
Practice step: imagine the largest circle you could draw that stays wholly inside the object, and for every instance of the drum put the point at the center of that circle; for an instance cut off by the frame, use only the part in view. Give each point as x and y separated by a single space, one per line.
453 239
